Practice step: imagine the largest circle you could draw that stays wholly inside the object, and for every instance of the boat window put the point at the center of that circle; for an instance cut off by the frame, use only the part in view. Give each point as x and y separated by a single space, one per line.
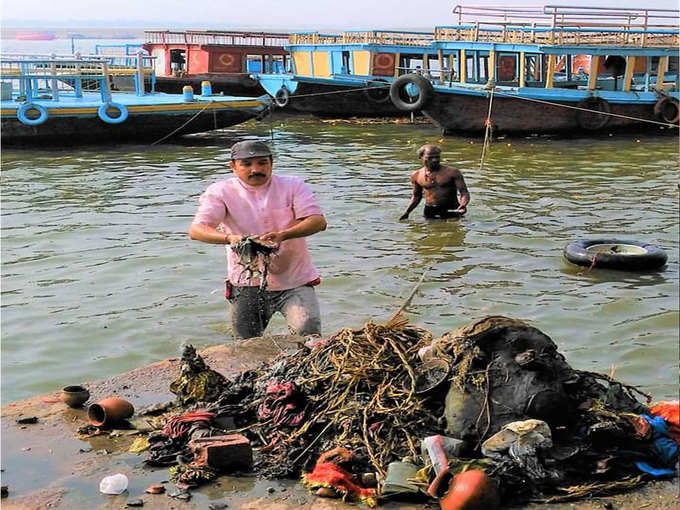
346 67
254 63
533 70
452 67
470 73
178 62
433 68
506 67
410 63
277 64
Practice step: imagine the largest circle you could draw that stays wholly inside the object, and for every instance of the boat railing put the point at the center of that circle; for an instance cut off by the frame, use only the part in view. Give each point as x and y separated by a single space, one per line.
563 24
47 77
578 36
231 38
389 37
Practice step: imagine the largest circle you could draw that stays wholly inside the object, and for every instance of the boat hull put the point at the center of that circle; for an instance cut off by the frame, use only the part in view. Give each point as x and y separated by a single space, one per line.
140 128
76 120
457 113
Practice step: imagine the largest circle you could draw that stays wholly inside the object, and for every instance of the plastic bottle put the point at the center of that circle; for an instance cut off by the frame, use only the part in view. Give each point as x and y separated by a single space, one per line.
114 484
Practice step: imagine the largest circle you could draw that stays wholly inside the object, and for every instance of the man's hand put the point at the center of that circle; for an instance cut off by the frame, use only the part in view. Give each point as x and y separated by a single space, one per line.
461 210
273 239
234 238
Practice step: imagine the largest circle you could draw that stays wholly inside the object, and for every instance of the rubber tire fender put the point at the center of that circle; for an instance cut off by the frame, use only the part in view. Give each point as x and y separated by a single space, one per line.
593 121
660 110
577 253
24 108
397 92
104 114
282 97
376 90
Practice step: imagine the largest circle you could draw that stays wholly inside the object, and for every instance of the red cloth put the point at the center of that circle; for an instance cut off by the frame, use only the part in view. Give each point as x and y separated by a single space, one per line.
179 426
327 474
282 405
669 410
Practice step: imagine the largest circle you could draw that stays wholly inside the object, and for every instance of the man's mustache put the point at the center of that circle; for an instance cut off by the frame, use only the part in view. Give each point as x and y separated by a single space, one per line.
256 175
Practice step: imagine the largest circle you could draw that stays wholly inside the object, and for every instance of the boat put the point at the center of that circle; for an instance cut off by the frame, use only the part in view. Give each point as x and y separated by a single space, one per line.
551 69
225 58
348 74
35 36
73 100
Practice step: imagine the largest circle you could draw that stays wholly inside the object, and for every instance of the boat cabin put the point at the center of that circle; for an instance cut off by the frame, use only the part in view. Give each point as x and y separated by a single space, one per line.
379 53
194 52
631 50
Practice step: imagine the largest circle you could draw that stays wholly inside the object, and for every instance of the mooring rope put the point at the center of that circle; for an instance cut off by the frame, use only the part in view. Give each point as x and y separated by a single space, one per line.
183 125
667 124
487 132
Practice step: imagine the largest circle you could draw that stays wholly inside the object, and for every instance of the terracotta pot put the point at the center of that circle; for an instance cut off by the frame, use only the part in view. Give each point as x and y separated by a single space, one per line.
470 490
74 396
109 411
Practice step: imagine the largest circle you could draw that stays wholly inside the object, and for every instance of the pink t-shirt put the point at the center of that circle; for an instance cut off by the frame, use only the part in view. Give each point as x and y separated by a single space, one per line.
255 210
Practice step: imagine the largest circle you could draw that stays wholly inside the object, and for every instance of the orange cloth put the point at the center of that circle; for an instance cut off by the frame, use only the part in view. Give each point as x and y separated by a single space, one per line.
327 474
669 410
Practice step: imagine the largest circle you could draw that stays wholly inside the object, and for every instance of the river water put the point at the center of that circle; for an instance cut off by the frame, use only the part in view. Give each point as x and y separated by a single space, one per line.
99 276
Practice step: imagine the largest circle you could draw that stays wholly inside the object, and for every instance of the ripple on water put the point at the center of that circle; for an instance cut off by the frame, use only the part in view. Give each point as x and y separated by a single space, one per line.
99 275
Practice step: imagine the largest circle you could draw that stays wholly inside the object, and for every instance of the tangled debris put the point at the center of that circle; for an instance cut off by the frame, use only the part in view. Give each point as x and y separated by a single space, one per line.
538 428
254 256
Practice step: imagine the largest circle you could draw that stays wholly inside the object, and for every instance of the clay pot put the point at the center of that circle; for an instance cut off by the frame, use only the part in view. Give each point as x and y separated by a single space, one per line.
74 396
109 411
470 490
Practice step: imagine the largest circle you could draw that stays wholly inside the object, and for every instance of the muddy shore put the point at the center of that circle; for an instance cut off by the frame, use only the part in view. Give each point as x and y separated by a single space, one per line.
45 466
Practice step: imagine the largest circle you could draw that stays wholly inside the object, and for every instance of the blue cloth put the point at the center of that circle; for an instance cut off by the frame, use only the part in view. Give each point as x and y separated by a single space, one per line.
664 446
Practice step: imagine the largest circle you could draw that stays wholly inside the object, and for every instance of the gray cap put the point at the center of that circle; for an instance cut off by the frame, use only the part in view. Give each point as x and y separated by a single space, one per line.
249 149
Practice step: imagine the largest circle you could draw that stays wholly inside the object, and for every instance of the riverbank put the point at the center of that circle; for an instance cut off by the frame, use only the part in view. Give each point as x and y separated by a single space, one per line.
46 466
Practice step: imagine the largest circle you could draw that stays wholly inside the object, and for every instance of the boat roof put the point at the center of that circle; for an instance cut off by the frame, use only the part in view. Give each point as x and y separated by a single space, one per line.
221 37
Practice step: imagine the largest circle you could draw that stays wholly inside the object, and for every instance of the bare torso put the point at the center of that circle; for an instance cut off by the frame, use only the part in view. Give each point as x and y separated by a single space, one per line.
440 188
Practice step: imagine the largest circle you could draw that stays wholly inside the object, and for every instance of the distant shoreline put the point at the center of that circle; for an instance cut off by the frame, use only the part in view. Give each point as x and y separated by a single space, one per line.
76 32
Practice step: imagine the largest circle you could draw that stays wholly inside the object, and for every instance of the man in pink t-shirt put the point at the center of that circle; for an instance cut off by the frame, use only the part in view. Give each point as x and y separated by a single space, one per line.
281 211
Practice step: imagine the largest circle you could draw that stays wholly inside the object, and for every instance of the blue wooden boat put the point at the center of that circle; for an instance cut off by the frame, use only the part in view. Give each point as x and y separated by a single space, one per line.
75 100
346 75
558 68
513 70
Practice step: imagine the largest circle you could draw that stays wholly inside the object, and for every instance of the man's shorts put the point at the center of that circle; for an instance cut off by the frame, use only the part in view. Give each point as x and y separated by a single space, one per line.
438 212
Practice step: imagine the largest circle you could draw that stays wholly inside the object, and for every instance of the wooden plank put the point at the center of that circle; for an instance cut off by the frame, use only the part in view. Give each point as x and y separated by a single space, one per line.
463 71
661 72
594 66
628 74
550 73
522 82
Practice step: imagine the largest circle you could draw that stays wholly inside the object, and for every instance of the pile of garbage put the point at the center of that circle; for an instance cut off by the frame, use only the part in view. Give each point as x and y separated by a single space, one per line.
490 413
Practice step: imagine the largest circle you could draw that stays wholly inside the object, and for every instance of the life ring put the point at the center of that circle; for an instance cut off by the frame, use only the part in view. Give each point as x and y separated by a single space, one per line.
593 121
282 97
403 100
666 109
104 114
27 107
615 254
377 90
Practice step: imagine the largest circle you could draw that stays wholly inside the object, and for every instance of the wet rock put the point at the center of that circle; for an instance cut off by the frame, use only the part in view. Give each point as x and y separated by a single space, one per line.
28 420
178 494
217 506
156 488
135 502
271 490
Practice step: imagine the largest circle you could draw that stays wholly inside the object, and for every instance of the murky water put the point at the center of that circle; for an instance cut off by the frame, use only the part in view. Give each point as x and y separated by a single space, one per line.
98 275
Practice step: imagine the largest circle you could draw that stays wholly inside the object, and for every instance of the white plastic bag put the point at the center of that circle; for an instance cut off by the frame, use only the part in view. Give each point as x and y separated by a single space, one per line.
114 484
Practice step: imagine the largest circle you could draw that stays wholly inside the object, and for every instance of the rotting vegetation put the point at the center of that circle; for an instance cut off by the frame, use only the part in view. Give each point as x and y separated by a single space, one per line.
358 390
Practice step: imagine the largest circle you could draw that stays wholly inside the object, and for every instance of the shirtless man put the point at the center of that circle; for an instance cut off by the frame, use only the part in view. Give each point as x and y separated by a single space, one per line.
441 185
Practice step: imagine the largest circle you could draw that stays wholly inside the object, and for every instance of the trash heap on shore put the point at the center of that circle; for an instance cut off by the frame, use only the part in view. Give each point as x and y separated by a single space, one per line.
488 414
